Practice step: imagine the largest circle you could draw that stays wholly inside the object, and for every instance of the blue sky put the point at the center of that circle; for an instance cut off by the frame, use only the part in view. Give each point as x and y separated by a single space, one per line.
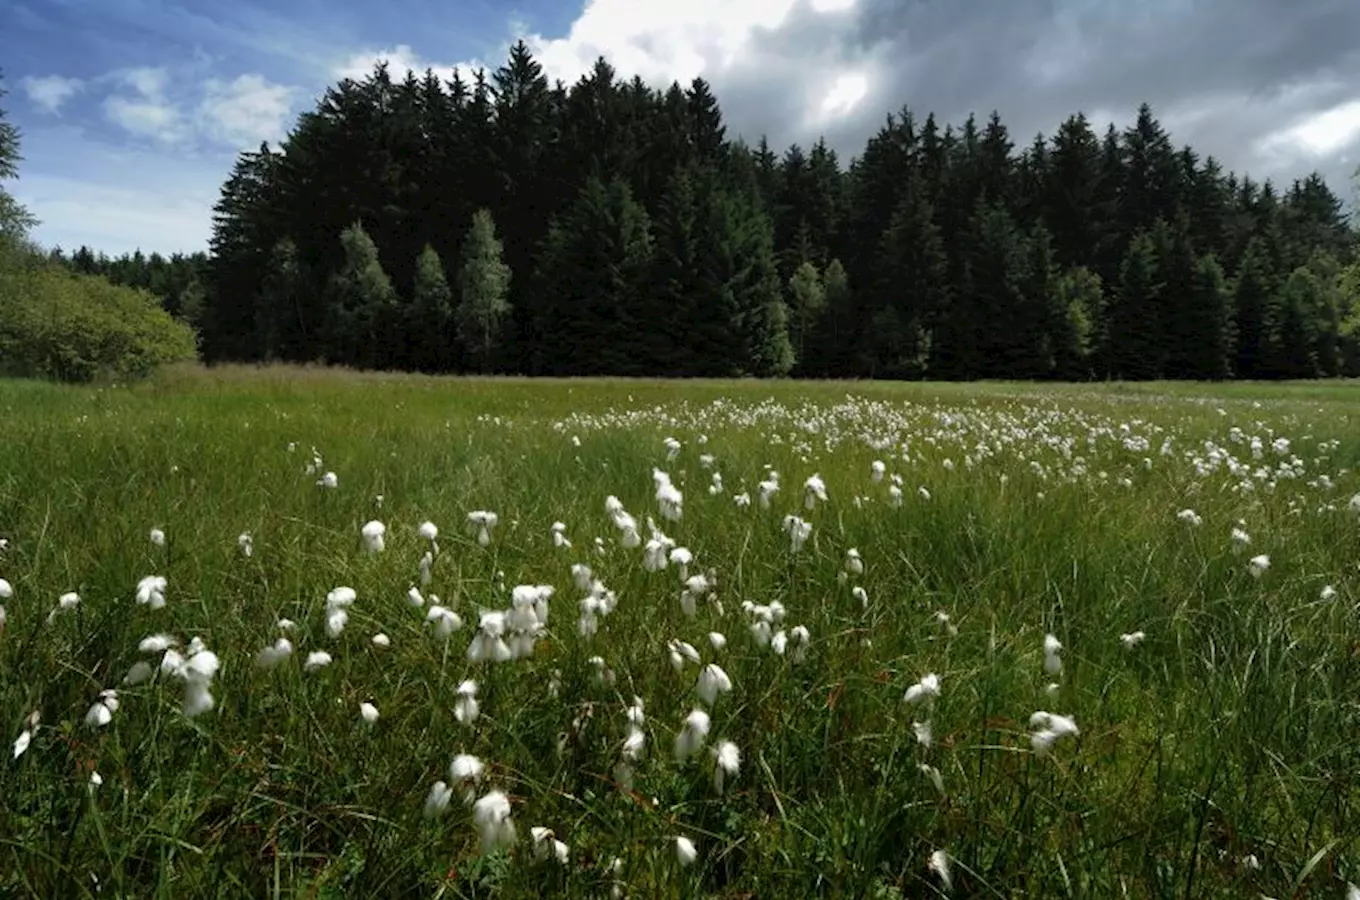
132 111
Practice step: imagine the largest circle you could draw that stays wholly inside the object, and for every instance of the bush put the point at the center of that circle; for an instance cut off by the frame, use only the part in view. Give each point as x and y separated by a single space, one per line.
72 327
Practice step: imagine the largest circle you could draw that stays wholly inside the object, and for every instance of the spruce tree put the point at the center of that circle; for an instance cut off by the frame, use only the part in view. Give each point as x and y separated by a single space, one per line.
1252 292
1135 350
484 289
277 304
361 305
429 325
1209 322
1076 322
1289 327
909 299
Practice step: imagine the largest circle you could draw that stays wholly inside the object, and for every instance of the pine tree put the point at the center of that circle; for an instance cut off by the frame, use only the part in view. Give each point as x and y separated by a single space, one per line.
825 338
484 288
14 219
361 305
909 300
429 326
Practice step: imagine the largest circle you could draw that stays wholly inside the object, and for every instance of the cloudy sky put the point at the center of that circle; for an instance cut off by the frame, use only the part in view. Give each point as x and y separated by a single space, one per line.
132 110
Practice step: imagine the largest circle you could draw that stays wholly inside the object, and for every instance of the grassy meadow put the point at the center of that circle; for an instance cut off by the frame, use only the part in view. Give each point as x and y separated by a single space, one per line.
1100 641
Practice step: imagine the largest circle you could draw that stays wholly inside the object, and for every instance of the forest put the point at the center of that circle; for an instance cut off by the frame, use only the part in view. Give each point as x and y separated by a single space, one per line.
497 222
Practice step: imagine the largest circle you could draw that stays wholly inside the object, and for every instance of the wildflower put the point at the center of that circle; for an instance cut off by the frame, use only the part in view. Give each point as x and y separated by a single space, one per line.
156 643
779 642
445 621
246 544
861 595
101 713
680 651
465 772
668 497
877 469
151 591
140 673
692 735
285 624
798 643
798 531
923 732
717 640
330 481
928 687
426 564
1328 593
603 674
465 708
1052 661
726 762
25 737
853 563
488 644
1240 539
338 602
158 537
939 864
480 523
1132 639
1049 727
414 597
712 682
430 532
381 641
546 845
895 496
437 801
1190 517
934 775
742 500
682 557
491 813
271 656
369 713
1258 565
685 851
768 489
814 489
672 448
317 659
581 576
372 534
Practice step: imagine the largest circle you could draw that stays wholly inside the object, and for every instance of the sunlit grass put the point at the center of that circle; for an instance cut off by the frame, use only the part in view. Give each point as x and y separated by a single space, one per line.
1216 758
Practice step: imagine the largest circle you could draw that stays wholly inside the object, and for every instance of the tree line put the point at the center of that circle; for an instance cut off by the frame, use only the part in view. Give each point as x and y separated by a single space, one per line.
504 223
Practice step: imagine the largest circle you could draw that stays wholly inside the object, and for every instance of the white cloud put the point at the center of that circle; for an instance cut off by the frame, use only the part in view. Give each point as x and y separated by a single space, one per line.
147 118
50 92
1318 135
400 59
245 111
147 81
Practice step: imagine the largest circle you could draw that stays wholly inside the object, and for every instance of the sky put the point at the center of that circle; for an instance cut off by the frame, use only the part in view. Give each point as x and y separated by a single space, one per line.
132 111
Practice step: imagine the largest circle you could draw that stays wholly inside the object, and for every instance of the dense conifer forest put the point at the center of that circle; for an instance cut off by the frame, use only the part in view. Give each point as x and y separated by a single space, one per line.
497 222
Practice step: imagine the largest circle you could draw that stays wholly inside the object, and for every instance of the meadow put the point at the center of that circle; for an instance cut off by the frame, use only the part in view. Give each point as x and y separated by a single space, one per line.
291 632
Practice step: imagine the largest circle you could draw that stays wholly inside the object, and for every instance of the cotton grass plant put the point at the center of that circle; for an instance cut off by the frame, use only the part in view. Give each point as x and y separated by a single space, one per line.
921 641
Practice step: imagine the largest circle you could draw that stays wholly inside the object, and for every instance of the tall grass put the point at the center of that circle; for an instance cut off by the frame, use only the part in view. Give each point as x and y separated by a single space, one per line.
1217 758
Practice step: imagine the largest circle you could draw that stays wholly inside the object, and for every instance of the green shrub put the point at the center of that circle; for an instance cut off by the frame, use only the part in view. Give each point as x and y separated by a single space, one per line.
71 327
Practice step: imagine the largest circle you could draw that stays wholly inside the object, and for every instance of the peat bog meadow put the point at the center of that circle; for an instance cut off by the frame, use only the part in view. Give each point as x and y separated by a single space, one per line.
288 632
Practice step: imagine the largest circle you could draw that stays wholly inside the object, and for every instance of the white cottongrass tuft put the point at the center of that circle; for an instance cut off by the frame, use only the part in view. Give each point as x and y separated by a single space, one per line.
1132 639
685 851
437 801
445 621
158 537
547 846
488 644
1052 661
338 602
712 682
692 734
101 712
373 536
926 689
465 708
491 814
480 523
939 865
1190 517
726 763
271 656
798 531
246 544
381 641
1258 565
369 713
330 481
317 659
1048 728
151 591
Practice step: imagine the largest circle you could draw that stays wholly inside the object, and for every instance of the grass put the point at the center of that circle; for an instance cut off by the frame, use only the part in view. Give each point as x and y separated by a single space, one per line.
1218 758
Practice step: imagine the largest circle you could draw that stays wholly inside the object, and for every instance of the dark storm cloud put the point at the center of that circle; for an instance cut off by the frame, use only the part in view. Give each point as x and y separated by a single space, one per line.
1222 75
